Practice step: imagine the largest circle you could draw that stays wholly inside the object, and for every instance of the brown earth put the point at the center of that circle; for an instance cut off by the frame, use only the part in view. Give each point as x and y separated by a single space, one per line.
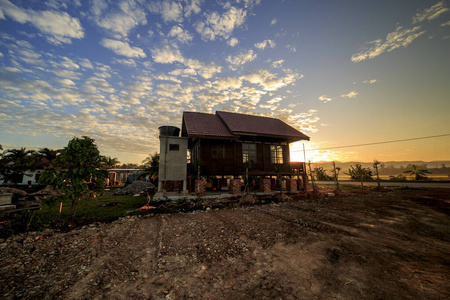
377 245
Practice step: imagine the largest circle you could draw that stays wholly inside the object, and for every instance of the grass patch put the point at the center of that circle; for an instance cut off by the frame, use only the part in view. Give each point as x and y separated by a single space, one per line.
105 208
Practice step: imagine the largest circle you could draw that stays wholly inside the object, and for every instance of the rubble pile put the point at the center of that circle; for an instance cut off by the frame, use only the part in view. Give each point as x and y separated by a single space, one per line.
137 187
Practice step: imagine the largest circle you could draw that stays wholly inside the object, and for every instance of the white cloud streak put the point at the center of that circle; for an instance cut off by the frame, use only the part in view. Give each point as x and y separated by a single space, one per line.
431 13
241 59
264 44
351 94
396 39
58 27
122 48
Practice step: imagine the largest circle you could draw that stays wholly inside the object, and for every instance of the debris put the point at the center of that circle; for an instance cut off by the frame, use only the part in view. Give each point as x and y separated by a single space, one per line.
137 187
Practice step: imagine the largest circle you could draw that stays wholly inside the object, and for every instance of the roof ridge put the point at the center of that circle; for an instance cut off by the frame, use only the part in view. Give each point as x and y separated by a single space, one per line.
258 116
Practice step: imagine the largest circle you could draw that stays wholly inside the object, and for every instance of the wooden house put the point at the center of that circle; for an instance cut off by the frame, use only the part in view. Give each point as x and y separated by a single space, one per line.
221 144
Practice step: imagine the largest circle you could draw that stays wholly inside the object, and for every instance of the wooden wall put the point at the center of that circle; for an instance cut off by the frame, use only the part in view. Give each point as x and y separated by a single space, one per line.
231 163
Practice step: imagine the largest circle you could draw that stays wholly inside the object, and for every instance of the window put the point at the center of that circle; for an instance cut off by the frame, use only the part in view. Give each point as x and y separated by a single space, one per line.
218 151
174 147
248 152
276 154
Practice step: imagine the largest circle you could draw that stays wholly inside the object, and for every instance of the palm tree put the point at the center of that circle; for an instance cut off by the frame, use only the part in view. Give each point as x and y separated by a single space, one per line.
49 154
111 162
375 165
16 162
151 166
419 174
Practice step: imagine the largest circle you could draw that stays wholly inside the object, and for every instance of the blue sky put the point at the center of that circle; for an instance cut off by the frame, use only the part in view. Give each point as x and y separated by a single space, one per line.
342 72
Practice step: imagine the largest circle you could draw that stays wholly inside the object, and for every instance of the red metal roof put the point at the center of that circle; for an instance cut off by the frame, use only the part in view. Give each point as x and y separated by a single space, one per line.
242 124
205 125
232 125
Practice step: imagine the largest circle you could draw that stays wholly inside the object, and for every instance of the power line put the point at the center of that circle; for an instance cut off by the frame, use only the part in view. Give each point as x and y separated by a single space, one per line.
378 143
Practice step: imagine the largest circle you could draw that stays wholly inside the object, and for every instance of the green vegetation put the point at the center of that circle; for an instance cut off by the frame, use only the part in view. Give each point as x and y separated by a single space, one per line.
419 174
15 162
321 174
151 167
111 162
358 172
77 173
106 208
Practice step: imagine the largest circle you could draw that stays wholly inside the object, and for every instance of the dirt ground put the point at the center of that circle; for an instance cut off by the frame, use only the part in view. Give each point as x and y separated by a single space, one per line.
377 245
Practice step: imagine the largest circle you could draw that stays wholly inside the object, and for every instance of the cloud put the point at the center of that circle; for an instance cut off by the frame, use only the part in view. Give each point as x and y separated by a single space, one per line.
352 94
274 21
278 63
241 59
167 54
217 25
250 3
396 39
269 81
182 35
264 44
122 48
431 13
232 42
121 18
371 81
325 99
305 122
58 27
171 11
66 82
227 83
445 24
192 7
291 48
84 62
206 70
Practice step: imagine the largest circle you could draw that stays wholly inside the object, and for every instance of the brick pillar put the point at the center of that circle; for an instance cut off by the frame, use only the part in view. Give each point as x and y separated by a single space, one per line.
202 190
265 185
291 185
236 186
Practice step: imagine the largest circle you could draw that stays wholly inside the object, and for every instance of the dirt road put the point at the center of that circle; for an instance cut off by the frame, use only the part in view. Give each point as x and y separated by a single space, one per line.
393 245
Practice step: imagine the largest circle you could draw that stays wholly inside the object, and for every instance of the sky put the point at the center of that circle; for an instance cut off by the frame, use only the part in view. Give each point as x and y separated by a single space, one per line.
342 72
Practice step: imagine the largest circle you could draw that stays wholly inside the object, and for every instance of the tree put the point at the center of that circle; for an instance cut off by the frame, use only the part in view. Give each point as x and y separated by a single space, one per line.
376 164
111 162
78 172
151 167
130 166
357 172
335 173
321 174
15 162
49 154
419 174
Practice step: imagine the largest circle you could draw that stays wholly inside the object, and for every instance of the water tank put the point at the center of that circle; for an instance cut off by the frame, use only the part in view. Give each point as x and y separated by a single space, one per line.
169 131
